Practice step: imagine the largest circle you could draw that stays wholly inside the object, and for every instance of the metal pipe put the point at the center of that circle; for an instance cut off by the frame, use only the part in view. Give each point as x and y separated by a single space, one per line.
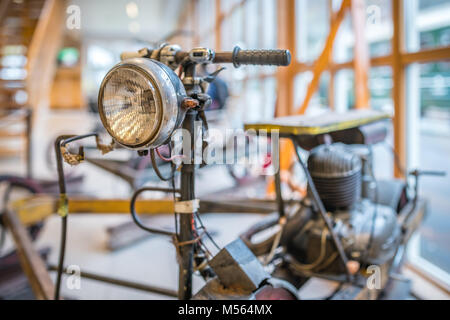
29 150
62 141
186 220
279 196
123 283
62 194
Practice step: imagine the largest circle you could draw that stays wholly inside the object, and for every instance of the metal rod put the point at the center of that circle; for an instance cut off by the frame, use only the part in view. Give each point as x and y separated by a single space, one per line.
62 193
123 283
29 150
279 196
62 141
186 220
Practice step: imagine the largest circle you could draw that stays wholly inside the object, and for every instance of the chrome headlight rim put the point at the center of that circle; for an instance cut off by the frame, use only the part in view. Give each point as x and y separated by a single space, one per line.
169 93
103 118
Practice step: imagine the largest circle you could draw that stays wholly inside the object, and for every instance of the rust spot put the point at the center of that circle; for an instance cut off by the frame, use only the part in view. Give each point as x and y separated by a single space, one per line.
189 103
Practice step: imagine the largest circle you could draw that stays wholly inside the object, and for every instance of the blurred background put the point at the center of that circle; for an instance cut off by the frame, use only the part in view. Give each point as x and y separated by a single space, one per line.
54 55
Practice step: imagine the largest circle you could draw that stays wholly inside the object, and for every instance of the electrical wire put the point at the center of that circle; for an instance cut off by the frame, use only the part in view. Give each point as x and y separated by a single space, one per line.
206 232
275 244
156 167
178 156
318 261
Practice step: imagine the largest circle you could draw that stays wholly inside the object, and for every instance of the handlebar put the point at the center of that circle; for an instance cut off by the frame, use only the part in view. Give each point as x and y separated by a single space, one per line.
254 57
237 57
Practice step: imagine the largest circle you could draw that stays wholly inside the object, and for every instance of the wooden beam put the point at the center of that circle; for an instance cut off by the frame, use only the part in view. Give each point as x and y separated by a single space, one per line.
361 62
374 62
31 262
424 56
43 50
398 89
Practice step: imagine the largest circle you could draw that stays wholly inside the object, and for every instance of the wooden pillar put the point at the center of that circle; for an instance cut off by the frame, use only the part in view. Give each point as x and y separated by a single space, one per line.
286 40
218 26
361 62
398 89
331 86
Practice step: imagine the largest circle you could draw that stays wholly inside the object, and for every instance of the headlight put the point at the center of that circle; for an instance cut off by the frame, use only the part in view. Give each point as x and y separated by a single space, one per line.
140 103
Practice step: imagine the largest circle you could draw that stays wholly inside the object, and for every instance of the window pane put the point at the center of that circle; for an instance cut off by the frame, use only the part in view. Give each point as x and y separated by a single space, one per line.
427 24
432 87
319 101
251 24
269 24
380 85
378 31
379 28
344 90
312 25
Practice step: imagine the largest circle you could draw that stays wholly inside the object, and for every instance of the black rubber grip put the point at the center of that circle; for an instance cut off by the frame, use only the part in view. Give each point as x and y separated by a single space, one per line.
261 57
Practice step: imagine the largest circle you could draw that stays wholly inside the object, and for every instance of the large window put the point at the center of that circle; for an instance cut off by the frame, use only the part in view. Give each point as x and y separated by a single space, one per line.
428 100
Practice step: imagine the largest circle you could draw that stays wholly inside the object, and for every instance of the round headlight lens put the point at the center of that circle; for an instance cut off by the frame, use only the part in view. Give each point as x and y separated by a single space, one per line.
140 103
130 106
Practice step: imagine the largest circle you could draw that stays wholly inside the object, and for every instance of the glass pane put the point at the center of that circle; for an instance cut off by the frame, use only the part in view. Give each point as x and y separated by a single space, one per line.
269 24
427 24
378 31
254 101
319 101
344 90
380 85
379 28
432 86
251 24
238 26
312 26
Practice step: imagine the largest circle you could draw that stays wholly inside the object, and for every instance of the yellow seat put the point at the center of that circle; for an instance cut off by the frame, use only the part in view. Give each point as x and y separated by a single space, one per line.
319 124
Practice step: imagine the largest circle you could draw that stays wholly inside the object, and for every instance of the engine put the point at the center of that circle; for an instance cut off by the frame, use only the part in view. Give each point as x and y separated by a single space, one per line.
368 230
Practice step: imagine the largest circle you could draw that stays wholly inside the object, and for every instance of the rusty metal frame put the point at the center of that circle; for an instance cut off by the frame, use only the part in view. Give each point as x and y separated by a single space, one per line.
28 211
